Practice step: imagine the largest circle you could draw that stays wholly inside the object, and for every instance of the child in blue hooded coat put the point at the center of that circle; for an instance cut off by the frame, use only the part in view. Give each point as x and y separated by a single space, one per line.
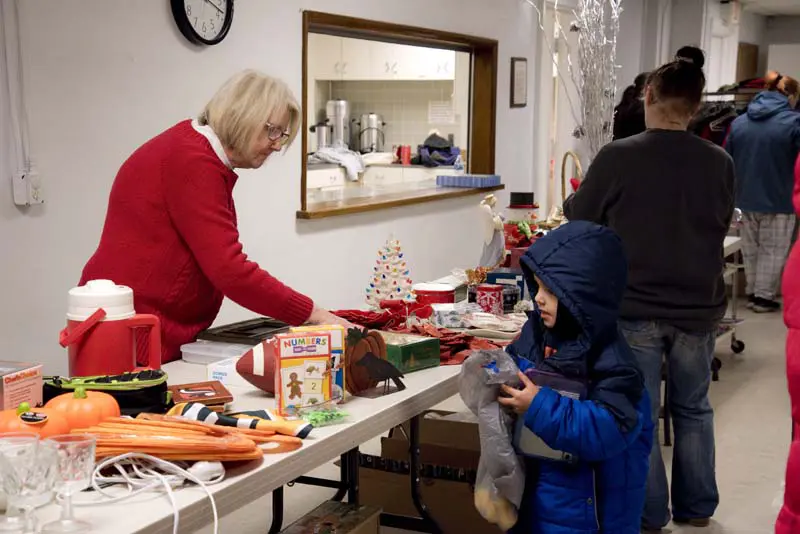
577 275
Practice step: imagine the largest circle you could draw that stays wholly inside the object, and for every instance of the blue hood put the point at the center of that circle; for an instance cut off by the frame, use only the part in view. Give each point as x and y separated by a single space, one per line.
766 104
584 265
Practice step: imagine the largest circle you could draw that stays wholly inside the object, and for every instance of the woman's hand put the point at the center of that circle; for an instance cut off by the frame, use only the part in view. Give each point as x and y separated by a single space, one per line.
324 317
519 399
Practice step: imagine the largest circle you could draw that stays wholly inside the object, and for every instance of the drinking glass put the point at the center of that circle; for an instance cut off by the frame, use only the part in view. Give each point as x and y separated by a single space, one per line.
16 444
27 472
76 455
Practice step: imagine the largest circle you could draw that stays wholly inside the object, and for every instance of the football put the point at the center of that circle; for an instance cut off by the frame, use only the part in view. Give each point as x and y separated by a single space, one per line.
257 366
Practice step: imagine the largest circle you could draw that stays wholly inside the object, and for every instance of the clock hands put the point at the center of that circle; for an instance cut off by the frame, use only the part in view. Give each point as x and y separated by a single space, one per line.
215 5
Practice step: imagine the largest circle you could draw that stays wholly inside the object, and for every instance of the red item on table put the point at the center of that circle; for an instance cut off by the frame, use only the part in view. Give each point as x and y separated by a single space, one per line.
490 298
404 154
455 347
516 255
394 316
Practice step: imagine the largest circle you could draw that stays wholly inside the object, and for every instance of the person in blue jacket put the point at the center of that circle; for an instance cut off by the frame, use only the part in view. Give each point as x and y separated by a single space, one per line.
764 143
578 274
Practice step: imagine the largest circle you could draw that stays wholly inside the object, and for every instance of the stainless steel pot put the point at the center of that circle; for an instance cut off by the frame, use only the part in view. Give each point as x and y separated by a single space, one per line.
337 113
371 137
323 130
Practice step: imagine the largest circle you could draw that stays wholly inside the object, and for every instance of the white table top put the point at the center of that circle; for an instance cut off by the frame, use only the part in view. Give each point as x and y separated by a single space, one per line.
731 245
152 512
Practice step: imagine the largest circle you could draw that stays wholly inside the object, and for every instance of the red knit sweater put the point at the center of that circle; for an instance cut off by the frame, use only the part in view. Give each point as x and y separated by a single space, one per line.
171 235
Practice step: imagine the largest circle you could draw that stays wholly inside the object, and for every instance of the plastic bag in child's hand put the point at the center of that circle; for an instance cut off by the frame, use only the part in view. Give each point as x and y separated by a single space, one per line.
500 480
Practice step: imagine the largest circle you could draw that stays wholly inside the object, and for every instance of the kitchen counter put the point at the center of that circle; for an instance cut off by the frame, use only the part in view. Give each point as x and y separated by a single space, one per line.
322 166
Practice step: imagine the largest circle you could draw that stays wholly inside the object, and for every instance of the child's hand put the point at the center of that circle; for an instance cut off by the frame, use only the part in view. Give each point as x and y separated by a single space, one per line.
519 399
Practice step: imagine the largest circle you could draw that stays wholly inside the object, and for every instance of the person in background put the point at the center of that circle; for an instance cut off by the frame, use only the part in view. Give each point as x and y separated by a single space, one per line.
789 517
629 113
670 196
577 278
764 143
171 233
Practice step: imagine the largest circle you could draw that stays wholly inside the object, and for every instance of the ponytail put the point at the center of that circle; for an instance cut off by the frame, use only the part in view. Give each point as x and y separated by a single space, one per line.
786 85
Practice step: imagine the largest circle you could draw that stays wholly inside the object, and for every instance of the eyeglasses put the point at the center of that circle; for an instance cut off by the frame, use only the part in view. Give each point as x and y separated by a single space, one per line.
276 133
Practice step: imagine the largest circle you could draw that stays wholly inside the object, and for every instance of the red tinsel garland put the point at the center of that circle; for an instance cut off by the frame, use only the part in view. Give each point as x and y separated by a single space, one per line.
455 347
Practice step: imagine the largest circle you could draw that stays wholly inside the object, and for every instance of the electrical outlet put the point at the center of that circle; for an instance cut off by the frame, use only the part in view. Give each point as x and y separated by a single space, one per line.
35 191
27 188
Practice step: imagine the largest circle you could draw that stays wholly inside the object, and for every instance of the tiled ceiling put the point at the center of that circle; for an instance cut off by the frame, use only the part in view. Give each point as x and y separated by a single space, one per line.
773 7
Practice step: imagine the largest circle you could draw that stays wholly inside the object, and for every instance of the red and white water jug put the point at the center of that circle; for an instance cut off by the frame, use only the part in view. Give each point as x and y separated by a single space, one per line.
101 331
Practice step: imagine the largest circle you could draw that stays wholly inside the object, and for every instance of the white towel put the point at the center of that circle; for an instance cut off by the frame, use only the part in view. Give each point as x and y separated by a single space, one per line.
351 161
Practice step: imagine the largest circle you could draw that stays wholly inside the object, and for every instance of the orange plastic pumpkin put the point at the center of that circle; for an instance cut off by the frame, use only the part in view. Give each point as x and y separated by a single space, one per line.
85 408
42 421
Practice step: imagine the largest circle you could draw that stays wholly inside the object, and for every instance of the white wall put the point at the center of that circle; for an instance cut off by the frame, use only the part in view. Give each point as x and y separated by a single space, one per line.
103 76
783 30
753 30
785 58
629 43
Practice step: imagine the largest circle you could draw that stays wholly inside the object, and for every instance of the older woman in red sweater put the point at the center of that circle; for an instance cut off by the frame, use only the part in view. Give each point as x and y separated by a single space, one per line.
171 230
789 518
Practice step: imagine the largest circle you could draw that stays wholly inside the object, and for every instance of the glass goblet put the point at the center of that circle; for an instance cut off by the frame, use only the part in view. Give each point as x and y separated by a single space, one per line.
27 472
76 459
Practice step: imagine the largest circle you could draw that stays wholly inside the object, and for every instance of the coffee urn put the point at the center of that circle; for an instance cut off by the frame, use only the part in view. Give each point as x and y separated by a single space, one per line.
337 113
371 137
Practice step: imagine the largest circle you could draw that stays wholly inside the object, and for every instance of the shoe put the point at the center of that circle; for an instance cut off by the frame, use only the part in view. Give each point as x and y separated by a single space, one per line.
699 522
751 301
762 305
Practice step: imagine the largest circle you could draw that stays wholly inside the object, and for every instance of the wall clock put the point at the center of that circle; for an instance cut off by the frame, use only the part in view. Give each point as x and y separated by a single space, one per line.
203 22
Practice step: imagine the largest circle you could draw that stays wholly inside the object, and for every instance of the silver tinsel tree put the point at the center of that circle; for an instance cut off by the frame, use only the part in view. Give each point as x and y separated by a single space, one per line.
597 24
595 76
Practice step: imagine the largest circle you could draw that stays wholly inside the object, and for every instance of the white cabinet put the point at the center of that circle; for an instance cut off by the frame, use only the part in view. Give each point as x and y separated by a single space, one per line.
383 60
325 177
355 61
343 58
324 57
415 63
379 175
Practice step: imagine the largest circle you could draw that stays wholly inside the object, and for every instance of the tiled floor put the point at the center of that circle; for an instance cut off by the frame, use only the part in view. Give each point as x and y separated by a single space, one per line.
752 429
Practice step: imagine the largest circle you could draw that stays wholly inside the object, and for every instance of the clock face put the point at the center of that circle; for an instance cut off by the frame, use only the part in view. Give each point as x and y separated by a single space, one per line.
203 21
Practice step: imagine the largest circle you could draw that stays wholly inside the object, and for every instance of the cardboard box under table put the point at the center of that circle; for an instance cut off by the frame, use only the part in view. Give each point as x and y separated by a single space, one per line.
449 453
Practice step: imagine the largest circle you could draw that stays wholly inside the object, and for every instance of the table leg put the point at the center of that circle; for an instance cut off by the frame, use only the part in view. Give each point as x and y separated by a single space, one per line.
352 476
423 523
425 517
277 511
344 474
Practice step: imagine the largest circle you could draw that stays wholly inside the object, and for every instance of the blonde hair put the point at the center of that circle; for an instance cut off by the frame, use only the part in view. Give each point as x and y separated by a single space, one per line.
786 85
243 105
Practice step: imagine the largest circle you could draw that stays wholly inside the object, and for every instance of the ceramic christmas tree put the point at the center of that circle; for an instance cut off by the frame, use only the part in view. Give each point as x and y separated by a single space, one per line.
391 276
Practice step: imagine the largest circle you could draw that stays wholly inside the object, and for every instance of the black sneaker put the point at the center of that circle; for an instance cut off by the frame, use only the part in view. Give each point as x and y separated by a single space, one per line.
765 305
751 301
699 522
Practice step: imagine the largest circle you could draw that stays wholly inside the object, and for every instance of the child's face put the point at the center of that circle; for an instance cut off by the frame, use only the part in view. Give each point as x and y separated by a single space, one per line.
547 304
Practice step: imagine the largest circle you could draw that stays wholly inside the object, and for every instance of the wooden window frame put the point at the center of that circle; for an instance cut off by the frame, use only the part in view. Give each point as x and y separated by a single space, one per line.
483 103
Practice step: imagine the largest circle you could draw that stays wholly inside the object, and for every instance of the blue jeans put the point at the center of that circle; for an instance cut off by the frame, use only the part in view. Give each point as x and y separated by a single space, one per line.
688 358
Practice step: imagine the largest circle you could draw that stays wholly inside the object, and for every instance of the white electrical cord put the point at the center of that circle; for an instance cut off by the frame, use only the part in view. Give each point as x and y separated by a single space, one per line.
141 473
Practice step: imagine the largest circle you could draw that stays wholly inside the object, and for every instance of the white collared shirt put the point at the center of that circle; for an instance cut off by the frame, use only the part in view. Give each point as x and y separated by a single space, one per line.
216 144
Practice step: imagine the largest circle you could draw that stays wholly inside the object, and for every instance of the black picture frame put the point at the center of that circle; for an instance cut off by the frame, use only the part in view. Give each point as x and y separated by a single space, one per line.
186 29
518 89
